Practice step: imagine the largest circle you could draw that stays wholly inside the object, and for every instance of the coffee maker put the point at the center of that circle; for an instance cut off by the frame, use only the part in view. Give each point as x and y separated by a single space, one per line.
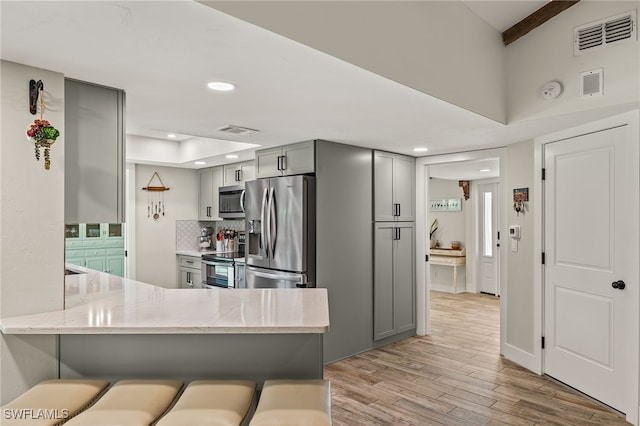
241 242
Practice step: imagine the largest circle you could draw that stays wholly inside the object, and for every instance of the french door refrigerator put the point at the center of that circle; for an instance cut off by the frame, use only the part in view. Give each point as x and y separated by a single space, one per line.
281 235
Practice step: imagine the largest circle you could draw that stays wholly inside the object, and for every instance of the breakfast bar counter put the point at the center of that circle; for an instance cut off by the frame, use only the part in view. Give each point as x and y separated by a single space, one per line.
116 328
100 303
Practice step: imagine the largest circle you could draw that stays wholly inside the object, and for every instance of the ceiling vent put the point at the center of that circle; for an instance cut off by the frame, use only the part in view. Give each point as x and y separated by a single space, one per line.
606 32
237 130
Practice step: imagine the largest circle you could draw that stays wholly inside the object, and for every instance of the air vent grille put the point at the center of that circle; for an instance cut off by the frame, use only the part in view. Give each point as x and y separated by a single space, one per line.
617 29
237 130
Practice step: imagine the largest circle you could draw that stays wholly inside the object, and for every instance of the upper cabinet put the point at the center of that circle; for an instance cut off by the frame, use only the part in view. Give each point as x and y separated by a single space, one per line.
394 187
210 180
238 173
294 159
94 153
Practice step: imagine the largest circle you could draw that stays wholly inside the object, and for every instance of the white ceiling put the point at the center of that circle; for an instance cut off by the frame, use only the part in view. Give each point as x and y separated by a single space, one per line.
164 53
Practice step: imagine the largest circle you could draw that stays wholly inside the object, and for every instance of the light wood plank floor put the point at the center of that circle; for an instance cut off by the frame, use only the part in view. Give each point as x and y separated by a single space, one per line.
455 376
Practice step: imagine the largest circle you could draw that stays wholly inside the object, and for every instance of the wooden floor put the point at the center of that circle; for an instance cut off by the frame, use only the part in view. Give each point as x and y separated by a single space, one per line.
455 376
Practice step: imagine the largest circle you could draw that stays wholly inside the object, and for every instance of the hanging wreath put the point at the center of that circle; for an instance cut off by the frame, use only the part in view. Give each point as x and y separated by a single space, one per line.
43 135
41 132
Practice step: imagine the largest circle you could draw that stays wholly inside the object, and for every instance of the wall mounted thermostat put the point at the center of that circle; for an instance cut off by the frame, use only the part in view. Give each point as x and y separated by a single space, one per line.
514 233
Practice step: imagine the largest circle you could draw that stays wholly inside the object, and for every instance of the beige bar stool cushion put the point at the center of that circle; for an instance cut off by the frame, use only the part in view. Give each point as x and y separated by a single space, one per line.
212 402
130 402
294 402
52 402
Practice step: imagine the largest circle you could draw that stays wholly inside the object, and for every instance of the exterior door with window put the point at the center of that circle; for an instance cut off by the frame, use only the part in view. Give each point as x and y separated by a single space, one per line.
488 238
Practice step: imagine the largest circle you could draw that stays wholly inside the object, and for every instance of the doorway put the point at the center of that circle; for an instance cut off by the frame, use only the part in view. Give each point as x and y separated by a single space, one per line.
457 167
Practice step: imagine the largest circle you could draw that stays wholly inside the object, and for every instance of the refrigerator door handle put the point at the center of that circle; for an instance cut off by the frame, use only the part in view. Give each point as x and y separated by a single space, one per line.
263 220
273 235
271 225
300 279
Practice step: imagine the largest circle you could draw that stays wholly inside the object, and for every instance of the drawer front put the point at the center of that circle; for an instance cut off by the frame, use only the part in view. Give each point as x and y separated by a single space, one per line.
95 252
189 261
73 254
115 251
72 243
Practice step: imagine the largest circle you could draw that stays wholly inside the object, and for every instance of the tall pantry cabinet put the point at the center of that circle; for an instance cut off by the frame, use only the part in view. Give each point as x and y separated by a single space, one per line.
394 283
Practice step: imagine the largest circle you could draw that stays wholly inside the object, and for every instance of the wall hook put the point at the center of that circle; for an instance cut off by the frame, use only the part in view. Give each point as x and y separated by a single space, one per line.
34 91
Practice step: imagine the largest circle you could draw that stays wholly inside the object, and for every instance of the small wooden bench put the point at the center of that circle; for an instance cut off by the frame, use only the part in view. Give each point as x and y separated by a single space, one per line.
212 402
52 402
294 402
131 403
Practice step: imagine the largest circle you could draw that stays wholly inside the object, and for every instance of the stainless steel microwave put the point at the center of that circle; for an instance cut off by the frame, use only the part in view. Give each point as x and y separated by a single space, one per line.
231 202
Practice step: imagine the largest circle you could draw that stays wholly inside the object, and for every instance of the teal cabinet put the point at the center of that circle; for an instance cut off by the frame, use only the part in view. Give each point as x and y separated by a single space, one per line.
98 246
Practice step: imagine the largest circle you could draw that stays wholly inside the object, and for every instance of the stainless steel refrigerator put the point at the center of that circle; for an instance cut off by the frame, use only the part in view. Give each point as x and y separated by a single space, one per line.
280 221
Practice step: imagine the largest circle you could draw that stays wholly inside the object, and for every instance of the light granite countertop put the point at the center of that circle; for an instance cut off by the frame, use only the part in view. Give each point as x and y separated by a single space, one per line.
100 303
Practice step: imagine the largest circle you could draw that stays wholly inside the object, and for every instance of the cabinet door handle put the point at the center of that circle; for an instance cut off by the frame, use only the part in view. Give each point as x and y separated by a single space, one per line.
188 277
284 162
280 162
398 210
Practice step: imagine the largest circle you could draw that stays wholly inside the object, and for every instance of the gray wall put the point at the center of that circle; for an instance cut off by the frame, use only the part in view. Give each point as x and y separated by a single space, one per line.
344 245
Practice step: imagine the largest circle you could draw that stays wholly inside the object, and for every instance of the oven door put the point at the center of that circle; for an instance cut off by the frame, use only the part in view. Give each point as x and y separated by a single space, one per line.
218 274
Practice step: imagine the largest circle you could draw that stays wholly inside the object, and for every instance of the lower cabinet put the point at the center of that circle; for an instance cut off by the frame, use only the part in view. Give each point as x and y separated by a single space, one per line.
189 272
394 283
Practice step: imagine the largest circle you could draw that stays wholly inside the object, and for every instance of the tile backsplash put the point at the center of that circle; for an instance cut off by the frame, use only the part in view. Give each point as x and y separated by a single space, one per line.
188 231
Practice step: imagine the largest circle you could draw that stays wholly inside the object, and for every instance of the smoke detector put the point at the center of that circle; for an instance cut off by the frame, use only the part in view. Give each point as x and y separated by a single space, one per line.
552 90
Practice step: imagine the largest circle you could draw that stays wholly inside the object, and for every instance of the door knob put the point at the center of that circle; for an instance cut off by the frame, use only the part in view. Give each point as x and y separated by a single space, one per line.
620 285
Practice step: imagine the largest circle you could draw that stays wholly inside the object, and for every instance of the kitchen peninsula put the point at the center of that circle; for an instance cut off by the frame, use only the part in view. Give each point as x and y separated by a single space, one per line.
114 327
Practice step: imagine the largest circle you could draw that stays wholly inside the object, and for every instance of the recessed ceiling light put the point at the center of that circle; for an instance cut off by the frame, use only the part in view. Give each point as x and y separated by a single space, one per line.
172 135
221 86
200 163
485 170
231 156
420 149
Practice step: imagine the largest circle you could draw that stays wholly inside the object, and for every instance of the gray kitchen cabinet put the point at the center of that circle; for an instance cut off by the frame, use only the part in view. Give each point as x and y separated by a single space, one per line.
394 279
238 173
394 187
210 180
189 272
294 159
94 149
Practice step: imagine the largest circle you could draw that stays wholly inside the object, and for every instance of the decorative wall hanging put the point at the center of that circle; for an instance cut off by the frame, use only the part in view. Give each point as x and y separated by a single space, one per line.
520 198
40 132
446 205
155 197
464 184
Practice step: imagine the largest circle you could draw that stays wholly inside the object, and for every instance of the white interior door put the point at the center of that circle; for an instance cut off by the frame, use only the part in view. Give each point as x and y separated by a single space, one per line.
591 241
488 218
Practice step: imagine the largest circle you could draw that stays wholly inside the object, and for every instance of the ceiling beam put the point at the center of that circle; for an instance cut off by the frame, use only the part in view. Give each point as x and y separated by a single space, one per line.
536 19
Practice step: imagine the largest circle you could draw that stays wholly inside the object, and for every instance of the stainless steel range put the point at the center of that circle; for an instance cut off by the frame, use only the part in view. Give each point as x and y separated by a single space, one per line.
224 270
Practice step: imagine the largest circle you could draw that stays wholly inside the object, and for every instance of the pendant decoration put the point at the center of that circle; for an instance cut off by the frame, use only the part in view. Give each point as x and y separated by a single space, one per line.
155 197
40 132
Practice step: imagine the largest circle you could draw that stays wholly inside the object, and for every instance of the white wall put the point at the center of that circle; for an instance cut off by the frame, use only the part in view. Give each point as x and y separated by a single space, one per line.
546 54
437 47
31 227
155 251
518 315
